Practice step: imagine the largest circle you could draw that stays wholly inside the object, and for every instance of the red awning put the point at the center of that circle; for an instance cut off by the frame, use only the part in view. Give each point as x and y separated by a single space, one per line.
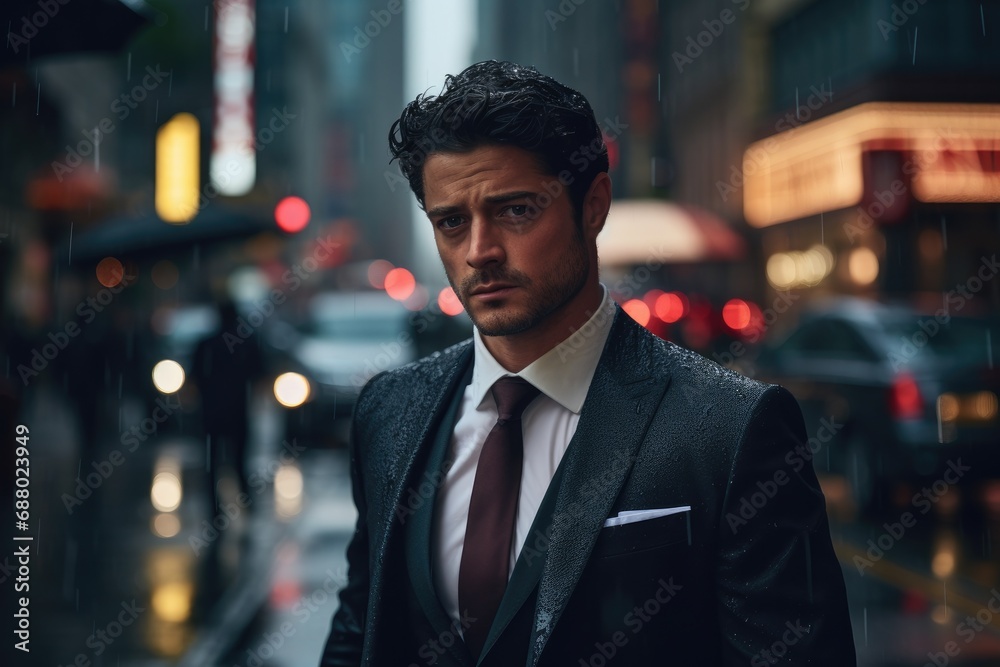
643 230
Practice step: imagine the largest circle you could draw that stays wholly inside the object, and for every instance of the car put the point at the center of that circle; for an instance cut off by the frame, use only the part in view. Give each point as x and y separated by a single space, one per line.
345 339
906 392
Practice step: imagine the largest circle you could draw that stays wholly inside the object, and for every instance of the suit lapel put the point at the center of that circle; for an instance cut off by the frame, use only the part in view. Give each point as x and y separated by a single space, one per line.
623 396
408 443
418 529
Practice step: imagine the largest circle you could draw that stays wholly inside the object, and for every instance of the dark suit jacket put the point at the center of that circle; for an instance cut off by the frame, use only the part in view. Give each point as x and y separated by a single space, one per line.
747 577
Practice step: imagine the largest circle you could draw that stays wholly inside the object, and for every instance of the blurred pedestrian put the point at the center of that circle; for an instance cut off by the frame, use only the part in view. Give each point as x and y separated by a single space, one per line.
225 367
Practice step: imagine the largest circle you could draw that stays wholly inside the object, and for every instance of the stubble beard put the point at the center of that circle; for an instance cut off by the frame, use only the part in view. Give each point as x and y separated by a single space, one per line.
560 287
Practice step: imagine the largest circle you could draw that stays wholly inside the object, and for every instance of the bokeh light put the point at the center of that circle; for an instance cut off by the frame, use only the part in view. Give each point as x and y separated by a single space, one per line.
172 601
166 525
448 302
377 271
165 274
168 376
399 284
418 299
166 493
637 310
862 266
110 272
736 314
292 214
291 389
670 307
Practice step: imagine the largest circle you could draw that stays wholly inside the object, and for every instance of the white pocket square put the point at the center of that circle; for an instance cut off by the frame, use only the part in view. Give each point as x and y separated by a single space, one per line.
632 516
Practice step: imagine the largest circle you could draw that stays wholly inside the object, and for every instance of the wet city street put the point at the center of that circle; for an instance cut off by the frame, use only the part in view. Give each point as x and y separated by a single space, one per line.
221 219
135 586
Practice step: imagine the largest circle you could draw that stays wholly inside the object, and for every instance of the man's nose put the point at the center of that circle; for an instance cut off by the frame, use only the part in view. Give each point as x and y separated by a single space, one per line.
485 244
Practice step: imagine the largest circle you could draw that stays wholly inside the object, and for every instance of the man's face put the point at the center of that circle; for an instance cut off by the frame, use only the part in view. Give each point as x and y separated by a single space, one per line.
512 262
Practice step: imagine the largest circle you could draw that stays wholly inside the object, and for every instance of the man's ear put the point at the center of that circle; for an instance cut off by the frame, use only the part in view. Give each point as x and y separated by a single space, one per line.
596 204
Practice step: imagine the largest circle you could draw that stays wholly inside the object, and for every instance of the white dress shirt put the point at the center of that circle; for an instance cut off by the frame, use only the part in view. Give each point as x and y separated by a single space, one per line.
563 376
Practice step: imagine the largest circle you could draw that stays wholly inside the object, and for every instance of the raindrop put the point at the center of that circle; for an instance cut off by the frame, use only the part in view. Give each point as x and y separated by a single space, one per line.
69 261
989 348
866 625
915 30
798 114
982 18
156 112
658 87
38 99
286 19
128 68
576 62
206 18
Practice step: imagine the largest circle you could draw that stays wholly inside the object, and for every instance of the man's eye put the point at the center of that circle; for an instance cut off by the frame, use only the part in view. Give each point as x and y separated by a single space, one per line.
522 211
449 223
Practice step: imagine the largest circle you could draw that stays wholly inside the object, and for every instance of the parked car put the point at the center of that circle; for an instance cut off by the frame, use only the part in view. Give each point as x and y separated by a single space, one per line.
908 392
345 339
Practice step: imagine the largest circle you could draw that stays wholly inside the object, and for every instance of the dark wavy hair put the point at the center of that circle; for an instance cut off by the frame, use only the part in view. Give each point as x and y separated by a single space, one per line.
503 103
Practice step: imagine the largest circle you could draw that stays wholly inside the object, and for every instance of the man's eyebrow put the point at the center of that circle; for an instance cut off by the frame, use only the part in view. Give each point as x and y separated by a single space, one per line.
493 199
510 196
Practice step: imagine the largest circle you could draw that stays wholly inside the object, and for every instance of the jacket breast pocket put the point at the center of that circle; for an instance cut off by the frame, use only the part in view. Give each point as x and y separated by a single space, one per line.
632 538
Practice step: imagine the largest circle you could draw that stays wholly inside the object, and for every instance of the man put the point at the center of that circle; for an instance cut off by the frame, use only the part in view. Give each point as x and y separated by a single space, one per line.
590 511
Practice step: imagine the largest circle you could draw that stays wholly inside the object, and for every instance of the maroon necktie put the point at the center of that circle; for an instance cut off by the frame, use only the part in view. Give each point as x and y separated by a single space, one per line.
482 575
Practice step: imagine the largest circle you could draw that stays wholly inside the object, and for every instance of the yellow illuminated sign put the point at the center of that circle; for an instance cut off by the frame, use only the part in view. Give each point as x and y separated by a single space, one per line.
176 196
950 152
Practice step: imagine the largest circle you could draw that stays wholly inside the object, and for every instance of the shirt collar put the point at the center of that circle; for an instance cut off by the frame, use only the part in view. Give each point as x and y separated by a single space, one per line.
564 372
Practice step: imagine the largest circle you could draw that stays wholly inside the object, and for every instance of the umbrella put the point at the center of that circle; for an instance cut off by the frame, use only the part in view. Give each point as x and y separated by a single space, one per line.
147 233
45 27
647 230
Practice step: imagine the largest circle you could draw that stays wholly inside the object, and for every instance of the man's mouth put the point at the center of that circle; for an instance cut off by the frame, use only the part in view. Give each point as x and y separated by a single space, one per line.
493 291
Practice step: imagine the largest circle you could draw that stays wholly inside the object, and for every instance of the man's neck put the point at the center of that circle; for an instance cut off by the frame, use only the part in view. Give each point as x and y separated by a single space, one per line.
515 352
